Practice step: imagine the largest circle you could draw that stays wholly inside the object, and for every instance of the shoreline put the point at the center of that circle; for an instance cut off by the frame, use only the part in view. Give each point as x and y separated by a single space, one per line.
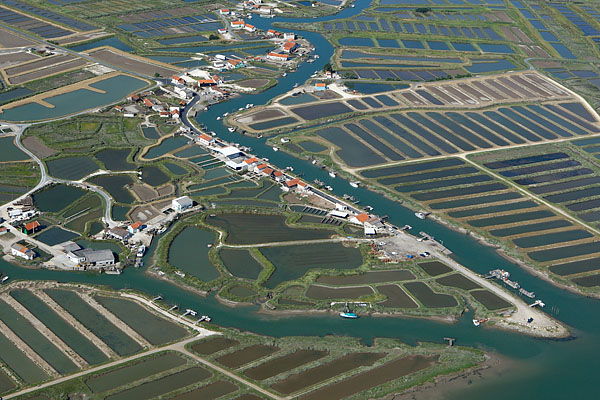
437 388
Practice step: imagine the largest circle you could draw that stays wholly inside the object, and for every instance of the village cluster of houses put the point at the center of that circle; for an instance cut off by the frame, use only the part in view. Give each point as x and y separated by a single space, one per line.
251 6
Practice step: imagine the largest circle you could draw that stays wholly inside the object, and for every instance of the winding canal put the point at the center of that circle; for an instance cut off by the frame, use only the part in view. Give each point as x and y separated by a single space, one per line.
538 368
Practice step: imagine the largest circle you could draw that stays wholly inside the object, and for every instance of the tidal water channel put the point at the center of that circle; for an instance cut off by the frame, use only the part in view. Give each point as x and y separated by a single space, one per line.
540 369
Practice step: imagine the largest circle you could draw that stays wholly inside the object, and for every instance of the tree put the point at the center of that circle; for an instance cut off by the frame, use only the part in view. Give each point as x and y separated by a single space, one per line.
213 37
423 10
327 67
156 74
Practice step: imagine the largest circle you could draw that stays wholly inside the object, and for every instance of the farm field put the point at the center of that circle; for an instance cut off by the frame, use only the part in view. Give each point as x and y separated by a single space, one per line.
277 365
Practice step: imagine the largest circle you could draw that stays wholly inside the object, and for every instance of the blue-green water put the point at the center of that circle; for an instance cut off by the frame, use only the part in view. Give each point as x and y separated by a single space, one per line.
78 100
543 369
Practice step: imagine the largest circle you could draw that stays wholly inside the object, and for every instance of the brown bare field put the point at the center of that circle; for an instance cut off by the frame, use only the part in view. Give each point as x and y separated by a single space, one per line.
261 115
144 213
139 65
6 60
9 39
38 148
253 83
144 192
42 62
166 190
43 73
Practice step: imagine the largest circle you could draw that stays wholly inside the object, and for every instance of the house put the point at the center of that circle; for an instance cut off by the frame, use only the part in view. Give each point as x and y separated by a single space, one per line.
164 114
181 203
205 139
175 114
135 227
183 92
292 183
234 64
119 108
224 11
117 233
21 251
206 82
238 24
278 176
272 33
134 98
289 36
277 57
3 230
289 46
320 86
249 28
250 162
148 103
360 218
217 79
176 79
260 167
267 171
221 31
31 227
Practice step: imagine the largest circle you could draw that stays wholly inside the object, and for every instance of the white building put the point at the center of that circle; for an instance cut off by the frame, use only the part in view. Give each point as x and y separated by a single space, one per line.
181 203
94 258
205 140
21 251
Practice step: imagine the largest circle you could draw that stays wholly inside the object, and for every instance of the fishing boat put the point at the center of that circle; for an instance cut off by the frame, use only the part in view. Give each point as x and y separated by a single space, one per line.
141 250
332 174
478 322
231 130
354 184
275 148
421 214
348 313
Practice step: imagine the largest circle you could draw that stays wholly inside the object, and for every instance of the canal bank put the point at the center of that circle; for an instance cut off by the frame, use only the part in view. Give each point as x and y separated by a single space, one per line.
559 369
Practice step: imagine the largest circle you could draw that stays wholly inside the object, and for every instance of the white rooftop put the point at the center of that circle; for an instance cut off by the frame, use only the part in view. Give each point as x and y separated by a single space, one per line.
229 151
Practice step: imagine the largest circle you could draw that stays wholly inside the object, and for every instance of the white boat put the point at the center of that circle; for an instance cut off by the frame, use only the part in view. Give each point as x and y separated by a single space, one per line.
314 162
4 279
290 169
332 174
296 85
329 188
421 215
231 130
240 109
284 74
218 118
285 140
354 184
275 148
112 271
226 114
141 251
